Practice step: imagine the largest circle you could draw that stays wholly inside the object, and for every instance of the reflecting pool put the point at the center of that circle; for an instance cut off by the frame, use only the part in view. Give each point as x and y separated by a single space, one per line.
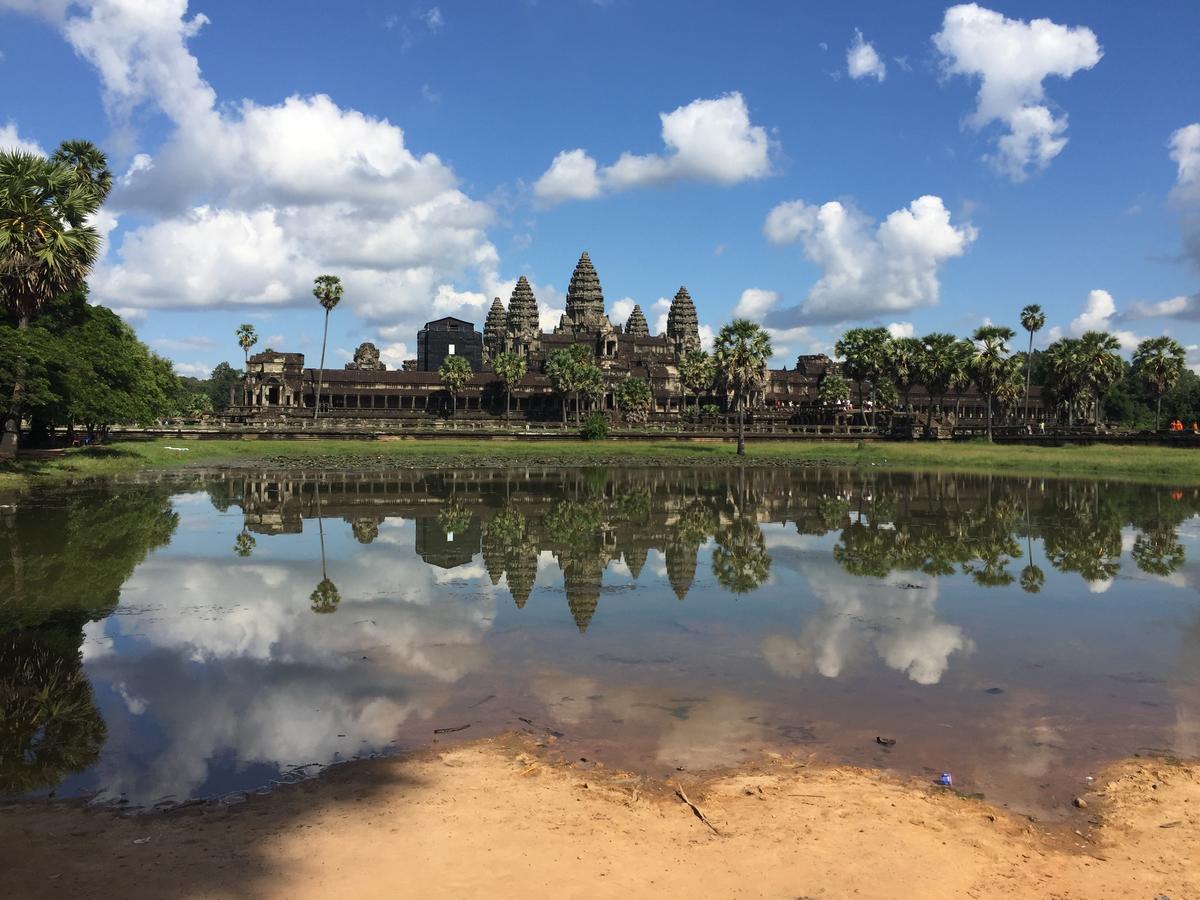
194 637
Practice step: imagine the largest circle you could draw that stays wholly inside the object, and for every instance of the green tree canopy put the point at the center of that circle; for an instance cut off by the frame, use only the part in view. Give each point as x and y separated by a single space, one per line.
510 369
455 371
1159 362
47 246
741 352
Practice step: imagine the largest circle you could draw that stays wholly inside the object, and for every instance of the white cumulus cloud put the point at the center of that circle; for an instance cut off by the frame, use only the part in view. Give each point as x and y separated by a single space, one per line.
10 139
572 176
1099 314
706 140
862 61
1180 307
1012 59
867 268
755 303
245 202
1185 152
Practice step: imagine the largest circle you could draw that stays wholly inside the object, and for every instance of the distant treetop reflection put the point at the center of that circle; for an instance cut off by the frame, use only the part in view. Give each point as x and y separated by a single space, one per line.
587 519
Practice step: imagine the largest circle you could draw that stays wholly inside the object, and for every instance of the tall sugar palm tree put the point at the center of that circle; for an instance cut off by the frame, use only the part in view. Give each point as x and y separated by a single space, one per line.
247 337
1032 320
936 369
864 352
1064 375
325 598
1102 366
455 372
902 363
328 291
563 371
510 369
741 352
961 354
990 364
1159 362
47 246
697 373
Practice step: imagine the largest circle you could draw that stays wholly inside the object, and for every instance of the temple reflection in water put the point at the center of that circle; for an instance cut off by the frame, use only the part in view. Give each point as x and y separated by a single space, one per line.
590 519
172 637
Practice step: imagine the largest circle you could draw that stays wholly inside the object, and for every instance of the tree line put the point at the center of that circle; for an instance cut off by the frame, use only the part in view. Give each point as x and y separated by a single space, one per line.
1082 379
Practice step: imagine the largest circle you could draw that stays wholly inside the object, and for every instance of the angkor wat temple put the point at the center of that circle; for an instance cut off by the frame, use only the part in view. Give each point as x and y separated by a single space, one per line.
279 387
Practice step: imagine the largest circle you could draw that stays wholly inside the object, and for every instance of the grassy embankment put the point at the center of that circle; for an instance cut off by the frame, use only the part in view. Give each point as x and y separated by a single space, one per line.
1158 464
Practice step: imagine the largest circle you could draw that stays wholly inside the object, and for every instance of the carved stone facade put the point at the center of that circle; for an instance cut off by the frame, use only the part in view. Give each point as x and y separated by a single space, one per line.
366 357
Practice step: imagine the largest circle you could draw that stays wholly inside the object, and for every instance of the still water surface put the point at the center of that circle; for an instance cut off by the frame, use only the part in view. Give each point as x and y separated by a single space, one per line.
187 638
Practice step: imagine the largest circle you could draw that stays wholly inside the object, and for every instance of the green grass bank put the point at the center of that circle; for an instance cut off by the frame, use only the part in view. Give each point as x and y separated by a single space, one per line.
1179 466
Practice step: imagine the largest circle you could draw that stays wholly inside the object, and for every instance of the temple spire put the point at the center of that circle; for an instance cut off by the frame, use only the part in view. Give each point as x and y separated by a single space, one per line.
523 311
585 298
493 331
683 328
636 326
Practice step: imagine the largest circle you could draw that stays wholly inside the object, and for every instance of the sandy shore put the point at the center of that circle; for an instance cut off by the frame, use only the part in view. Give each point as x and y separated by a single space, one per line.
494 819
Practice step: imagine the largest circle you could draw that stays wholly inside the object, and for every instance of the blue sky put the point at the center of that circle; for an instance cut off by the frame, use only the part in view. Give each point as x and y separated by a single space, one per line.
945 168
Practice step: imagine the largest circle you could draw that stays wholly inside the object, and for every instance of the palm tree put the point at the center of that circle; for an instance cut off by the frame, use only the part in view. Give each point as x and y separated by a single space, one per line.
244 544
328 291
1064 375
455 371
697 373
561 369
863 350
990 364
585 371
1159 362
833 393
592 386
510 369
247 337
740 561
1102 365
960 373
902 363
1032 320
937 368
1008 392
47 246
634 398
741 353
326 597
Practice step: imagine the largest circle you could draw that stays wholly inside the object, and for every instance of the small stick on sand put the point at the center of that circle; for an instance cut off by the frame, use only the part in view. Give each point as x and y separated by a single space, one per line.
699 812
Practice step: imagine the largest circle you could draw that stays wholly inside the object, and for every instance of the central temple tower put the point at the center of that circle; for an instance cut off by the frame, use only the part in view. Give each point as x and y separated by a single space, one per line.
585 302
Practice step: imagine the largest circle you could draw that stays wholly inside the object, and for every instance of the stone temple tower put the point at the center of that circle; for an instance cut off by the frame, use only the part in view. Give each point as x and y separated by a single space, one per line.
493 332
585 301
637 326
523 333
683 328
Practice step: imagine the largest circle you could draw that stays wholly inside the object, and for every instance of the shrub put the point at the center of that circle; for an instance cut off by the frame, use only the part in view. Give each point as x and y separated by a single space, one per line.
595 427
710 409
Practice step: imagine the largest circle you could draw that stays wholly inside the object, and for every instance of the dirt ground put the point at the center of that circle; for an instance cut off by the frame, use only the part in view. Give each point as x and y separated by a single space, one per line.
495 819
